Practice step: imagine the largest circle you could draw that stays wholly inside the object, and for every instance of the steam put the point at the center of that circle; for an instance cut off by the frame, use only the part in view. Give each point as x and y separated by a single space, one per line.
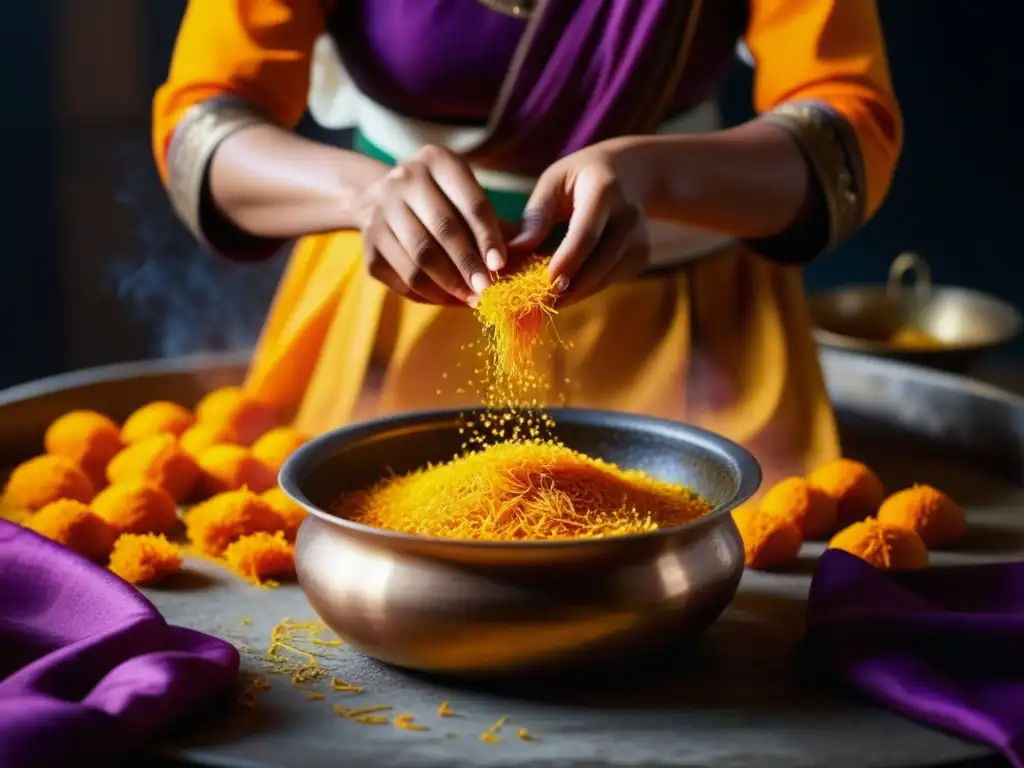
187 299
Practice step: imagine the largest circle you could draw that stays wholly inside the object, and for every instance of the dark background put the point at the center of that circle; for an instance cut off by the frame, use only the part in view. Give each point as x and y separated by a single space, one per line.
96 269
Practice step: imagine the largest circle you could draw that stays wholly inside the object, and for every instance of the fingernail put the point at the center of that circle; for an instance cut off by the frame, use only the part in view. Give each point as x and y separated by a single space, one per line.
494 260
561 284
480 282
472 301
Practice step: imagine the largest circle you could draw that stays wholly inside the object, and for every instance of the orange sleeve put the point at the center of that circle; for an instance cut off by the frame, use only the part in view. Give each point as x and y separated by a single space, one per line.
257 50
831 52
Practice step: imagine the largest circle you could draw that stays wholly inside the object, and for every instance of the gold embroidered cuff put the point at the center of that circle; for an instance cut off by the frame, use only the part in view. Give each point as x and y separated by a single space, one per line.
199 133
832 150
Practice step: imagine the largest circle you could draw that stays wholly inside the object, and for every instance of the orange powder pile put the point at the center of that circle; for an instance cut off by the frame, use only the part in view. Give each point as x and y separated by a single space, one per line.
45 479
74 525
144 559
213 525
260 556
523 491
88 438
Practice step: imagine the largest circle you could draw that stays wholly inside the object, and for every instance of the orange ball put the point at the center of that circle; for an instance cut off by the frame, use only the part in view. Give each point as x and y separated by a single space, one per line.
813 510
136 506
45 479
248 418
215 523
882 545
159 418
291 513
88 438
857 491
935 517
160 460
74 525
232 467
144 558
261 556
274 448
769 541
201 436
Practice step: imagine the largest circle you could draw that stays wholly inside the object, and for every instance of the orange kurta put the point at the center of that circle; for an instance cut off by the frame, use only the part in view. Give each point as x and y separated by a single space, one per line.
725 343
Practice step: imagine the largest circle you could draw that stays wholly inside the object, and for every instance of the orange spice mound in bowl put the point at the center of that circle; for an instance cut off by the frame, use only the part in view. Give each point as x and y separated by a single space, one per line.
45 479
769 541
882 545
233 408
144 558
203 435
292 514
160 460
136 506
231 467
813 510
260 556
857 491
523 491
217 522
515 309
159 418
935 517
74 525
88 438
274 448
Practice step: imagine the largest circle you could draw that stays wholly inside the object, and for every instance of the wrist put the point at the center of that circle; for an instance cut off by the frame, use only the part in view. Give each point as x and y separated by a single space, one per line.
360 175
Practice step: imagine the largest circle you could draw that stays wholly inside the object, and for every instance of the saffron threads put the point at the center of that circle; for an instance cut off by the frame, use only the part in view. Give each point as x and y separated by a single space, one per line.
490 736
445 710
345 687
405 722
520 492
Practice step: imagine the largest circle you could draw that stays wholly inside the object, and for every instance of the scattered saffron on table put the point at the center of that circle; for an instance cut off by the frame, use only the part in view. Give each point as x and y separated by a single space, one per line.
405 721
345 687
490 736
445 710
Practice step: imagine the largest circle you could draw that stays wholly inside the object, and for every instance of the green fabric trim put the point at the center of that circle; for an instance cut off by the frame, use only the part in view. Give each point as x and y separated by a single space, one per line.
509 205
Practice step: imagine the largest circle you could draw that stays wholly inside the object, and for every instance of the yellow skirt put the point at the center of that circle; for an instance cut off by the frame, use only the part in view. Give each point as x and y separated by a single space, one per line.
724 344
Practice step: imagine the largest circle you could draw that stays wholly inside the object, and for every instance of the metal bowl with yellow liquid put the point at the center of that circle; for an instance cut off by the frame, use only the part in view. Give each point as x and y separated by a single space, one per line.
938 326
489 608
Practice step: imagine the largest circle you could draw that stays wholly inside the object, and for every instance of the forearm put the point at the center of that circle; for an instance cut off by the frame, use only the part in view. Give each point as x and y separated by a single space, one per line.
272 183
751 181
245 186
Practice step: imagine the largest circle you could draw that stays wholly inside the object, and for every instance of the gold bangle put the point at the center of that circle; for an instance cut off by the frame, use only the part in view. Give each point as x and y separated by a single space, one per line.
198 134
832 150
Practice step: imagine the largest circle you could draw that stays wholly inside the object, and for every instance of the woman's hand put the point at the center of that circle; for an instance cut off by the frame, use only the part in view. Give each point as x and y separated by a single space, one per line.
600 193
429 231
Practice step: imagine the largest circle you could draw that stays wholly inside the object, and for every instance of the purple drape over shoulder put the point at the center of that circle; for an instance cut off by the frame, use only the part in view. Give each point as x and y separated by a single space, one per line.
588 71
89 669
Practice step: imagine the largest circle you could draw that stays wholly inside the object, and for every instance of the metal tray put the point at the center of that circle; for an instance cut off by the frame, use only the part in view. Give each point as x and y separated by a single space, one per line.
734 699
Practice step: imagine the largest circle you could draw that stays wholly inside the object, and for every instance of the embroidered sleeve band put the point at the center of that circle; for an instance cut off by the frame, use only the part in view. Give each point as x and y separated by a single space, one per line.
832 151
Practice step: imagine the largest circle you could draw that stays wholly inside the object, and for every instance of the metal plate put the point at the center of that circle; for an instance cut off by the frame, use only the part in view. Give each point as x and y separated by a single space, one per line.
735 699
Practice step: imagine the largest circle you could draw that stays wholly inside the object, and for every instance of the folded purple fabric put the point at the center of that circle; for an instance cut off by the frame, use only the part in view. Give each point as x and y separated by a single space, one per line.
89 669
943 646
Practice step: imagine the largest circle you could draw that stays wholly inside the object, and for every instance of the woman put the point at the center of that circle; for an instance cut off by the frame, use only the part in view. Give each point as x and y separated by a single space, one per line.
483 124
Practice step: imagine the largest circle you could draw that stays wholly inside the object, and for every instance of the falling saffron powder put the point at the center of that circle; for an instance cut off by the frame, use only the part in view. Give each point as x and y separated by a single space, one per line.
514 480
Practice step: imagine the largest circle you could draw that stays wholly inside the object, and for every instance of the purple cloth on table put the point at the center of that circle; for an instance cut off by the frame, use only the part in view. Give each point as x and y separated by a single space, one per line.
943 646
89 669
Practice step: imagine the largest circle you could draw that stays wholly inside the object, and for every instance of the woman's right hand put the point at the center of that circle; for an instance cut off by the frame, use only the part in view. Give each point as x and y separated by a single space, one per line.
429 231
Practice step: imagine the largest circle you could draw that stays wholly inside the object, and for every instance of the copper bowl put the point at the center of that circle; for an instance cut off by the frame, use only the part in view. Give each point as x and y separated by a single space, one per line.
490 608
938 326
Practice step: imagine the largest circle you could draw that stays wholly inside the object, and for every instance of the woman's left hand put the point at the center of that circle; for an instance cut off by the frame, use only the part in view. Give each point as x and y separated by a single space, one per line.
601 196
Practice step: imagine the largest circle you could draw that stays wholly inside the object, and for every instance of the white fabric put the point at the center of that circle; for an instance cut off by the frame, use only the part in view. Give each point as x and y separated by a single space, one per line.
336 103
